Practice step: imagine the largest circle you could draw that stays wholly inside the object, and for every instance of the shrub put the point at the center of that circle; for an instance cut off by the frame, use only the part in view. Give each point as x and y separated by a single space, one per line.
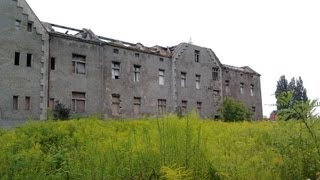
233 110
60 112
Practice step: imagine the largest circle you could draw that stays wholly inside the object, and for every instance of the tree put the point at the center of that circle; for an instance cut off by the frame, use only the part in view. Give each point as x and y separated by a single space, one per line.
233 110
60 112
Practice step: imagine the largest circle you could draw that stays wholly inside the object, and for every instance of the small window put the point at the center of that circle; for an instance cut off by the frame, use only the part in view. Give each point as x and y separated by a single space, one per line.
53 63
29 58
79 64
51 103
115 104
227 86
136 55
197 56
78 102
18 24
198 81
116 51
252 90
199 104
162 106
17 58
241 88
115 70
161 59
253 109
184 107
137 73
29 26
183 79
15 103
136 105
215 73
27 106
161 77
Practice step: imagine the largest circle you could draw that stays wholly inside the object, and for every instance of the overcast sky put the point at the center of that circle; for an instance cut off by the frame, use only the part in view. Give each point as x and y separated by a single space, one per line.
274 37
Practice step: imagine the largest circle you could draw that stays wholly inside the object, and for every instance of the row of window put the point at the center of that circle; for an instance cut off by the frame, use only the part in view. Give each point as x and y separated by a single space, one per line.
15 103
17 59
18 25
242 85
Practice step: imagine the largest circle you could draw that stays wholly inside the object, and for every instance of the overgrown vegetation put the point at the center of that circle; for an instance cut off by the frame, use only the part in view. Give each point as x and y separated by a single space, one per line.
234 110
160 148
61 112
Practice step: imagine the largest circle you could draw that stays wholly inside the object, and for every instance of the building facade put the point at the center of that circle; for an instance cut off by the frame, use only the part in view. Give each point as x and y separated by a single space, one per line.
42 63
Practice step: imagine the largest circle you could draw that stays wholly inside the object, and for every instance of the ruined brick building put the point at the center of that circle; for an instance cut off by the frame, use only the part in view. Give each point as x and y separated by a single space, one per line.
41 63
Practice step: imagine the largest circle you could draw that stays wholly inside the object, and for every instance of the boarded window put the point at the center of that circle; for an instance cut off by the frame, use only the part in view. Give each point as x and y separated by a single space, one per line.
115 70
215 73
115 104
184 106
29 58
137 73
16 58
198 81
27 106
197 56
29 26
161 77
18 24
251 89
136 105
53 63
78 102
79 64
241 88
15 103
51 103
162 106
183 79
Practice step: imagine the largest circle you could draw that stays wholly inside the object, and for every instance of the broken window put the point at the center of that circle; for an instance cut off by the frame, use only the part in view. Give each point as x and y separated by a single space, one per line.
115 70
53 63
162 106
136 55
116 51
115 104
241 88
137 72
18 24
51 103
29 26
79 64
136 105
183 79
227 86
78 102
15 103
16 58
197 56
161 77
251 89
199 104
27 106
215 73
29 58
184 107
198 81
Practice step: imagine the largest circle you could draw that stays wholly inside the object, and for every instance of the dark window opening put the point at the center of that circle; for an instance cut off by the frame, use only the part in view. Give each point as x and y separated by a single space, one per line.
53 63
197 56
29 27
17 58
29 57
27 103
137 55
215 73
161 59
15 103
116 51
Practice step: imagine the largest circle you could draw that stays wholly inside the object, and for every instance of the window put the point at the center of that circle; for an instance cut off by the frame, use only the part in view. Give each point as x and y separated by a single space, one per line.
115 104
136 105
162 106
51 103
29 58
183 79
251 89
136 55
29 26
15 103
197 56
227 86
161 59
116 51
79 64
53 63
161 77
199 104
215 73
184 107
27 106
253 109
17 58
18 24
115 70
137 72
241 88
197 81
78 102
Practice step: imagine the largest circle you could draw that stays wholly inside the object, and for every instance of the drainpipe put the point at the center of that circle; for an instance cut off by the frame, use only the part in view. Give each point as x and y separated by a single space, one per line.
49 71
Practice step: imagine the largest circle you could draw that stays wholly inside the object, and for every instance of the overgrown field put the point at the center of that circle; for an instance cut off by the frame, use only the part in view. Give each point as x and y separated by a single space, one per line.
160 148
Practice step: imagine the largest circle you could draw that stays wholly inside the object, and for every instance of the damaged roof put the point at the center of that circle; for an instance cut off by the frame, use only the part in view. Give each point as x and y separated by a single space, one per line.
244 69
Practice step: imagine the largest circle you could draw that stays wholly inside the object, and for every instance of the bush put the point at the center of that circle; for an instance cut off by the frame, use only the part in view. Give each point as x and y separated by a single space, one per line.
60 112
233 110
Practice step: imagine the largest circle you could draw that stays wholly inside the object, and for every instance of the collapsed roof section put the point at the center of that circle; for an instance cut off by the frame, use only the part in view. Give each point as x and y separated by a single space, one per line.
244 69
87 34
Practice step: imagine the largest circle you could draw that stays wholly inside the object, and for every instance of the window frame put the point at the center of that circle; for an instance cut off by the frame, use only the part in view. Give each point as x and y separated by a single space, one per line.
198 81
136 73
115 70
161 75
183 77
75 99
78 59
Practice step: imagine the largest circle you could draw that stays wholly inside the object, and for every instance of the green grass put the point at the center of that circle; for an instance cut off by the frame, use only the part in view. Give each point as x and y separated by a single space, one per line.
159 148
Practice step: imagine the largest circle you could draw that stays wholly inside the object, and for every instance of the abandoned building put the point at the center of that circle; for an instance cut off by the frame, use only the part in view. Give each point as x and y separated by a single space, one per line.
41 63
